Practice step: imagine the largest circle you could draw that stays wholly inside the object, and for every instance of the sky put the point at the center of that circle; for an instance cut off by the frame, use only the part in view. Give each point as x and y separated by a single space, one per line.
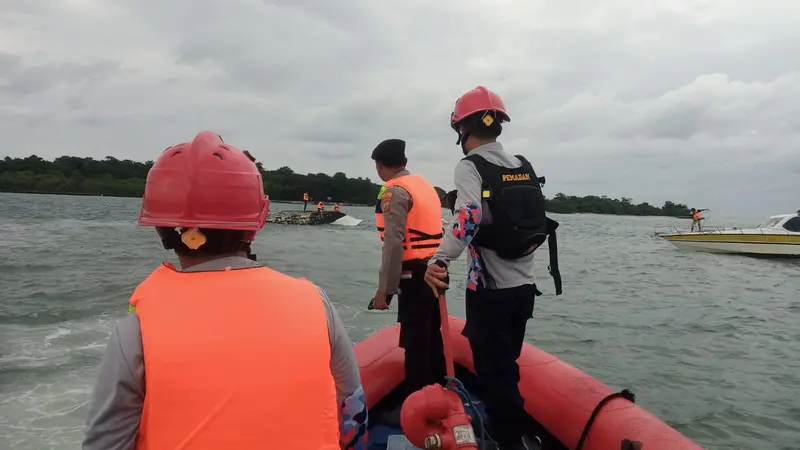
697 102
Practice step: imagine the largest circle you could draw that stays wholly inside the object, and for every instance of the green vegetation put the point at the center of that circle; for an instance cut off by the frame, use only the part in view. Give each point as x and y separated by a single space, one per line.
284 184
567 204
126 178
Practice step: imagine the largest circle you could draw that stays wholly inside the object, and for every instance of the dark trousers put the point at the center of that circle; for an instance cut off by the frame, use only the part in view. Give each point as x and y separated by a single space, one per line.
495 329
420 336
305 205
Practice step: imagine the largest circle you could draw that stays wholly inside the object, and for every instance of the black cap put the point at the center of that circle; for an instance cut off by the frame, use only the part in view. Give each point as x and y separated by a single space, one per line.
391 152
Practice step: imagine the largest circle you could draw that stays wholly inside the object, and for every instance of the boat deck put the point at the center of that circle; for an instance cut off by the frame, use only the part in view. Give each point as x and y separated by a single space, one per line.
671 230
563 405
385 432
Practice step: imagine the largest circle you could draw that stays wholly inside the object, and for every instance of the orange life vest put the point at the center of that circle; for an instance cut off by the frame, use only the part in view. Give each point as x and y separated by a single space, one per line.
423 232
235 359
305 196
697 216
336 207
320 205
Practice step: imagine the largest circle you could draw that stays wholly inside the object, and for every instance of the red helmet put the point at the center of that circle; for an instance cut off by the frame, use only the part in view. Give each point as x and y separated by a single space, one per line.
477 100
205 184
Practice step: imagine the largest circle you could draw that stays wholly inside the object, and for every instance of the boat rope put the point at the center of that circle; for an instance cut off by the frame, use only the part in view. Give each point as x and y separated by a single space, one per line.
454 384
625 393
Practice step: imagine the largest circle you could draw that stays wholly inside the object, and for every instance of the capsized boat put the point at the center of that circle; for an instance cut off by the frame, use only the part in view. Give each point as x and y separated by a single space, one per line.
778 236
567 409
289 217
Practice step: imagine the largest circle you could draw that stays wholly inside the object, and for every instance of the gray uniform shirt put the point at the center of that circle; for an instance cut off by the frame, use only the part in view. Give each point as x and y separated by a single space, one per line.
115 409
505 272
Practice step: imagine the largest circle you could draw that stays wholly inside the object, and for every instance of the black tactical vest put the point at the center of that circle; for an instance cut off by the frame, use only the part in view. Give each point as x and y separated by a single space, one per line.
519 222
514 196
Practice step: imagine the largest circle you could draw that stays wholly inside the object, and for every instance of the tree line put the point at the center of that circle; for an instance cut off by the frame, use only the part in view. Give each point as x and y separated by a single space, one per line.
126 178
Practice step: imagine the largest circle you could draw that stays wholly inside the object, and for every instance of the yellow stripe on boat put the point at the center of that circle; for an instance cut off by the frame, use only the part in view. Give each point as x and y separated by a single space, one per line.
736 237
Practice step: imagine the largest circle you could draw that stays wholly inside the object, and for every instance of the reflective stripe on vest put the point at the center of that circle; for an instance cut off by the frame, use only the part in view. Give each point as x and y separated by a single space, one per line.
423 232
235 359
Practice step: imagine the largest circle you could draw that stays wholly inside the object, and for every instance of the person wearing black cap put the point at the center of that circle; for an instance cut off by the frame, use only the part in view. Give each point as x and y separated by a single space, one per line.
408 215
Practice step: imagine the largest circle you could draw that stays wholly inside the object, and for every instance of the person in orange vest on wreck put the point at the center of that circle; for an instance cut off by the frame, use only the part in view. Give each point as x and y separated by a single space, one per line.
223 352
408 215
320 207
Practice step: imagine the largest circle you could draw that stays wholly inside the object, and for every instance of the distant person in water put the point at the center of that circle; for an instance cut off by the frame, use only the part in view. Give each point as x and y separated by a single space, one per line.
697 218
305 201
222 352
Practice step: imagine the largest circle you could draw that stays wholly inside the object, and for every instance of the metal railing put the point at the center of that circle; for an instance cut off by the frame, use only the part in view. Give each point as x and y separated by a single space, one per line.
672 229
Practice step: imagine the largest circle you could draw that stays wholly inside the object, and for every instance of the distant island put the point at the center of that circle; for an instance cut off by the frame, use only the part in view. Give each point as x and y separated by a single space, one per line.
126 178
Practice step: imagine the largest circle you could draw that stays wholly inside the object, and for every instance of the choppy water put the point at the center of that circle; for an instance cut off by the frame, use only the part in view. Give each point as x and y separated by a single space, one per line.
709 343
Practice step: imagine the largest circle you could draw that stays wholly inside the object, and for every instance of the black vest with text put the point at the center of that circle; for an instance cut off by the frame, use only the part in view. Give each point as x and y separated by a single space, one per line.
519 224
514 197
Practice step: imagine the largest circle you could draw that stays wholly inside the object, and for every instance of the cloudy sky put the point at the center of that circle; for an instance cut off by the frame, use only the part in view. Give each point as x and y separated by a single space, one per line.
696 101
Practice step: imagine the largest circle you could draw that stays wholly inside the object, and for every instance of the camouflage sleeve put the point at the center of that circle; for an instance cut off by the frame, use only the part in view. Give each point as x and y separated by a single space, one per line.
395 204
466 217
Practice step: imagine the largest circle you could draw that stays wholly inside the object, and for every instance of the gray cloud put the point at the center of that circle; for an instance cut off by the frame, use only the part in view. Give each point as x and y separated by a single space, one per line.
20 81
690 101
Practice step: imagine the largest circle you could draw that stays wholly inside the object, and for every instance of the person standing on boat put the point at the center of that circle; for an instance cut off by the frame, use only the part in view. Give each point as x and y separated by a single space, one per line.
336 208
500 217
222 352
408 215
320 207
305 201
696 218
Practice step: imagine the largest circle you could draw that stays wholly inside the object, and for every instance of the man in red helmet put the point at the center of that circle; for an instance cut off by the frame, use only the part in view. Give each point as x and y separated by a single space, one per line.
500 217
223 352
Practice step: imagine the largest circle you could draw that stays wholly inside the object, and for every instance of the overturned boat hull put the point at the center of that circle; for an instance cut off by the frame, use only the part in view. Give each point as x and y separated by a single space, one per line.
559 398
306 217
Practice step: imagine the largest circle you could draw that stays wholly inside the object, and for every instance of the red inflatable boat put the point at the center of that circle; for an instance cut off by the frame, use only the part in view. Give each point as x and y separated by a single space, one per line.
559 398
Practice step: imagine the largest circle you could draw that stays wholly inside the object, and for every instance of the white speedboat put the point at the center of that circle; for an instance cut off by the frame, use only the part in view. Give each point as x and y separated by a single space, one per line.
777 236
